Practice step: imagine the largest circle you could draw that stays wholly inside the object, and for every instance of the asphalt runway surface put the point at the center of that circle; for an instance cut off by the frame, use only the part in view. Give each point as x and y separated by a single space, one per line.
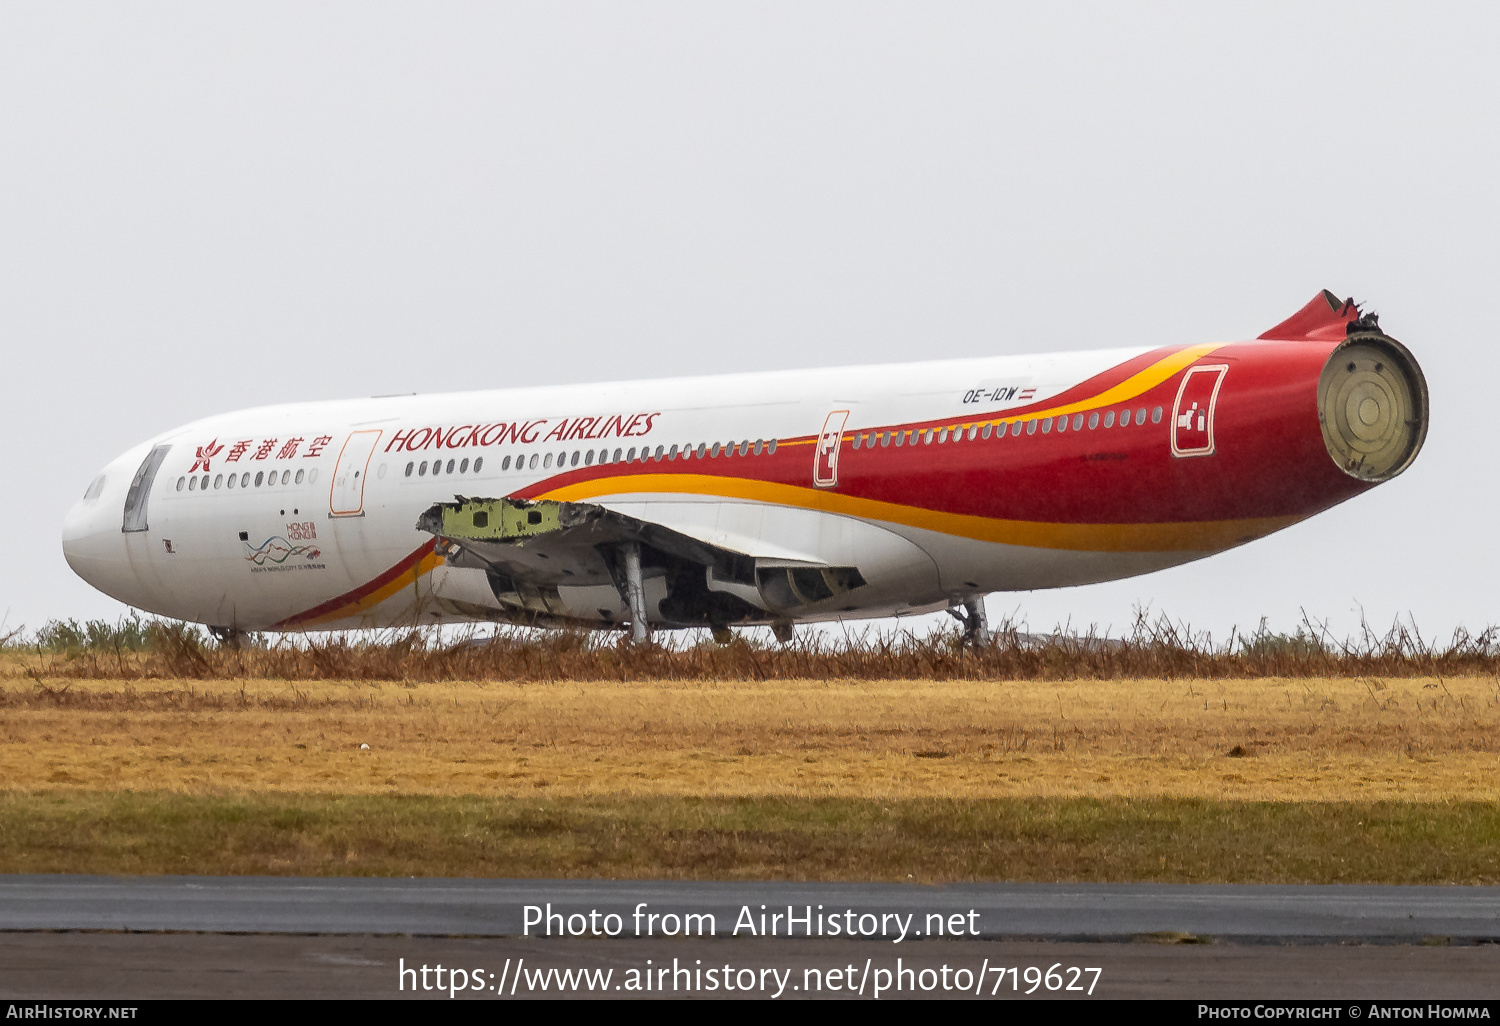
150 937
495 908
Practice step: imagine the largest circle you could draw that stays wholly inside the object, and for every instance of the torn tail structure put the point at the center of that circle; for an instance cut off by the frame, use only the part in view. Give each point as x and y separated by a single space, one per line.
1325 318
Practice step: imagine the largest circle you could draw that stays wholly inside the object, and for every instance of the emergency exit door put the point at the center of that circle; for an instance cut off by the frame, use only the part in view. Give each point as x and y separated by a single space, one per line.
1193 413
826 459
347 496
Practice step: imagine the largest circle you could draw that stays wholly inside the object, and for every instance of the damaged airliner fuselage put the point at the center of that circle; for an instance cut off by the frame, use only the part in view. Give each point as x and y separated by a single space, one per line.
766 498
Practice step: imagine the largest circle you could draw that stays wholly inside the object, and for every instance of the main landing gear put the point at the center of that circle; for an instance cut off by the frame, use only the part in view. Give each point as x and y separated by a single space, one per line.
976 626
635 592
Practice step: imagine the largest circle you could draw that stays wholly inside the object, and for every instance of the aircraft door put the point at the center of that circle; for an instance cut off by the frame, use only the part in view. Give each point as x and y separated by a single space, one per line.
826 459
144 548
1193 413
139 496
347 496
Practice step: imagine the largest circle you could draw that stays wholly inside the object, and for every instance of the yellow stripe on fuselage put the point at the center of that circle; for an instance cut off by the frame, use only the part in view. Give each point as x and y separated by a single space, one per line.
1139 383
409 578
1181 536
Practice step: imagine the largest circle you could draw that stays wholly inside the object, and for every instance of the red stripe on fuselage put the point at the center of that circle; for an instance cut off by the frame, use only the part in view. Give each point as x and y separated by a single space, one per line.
1270 458
350 597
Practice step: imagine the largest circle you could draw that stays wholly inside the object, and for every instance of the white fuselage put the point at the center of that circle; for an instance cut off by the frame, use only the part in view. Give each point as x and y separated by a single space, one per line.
305 515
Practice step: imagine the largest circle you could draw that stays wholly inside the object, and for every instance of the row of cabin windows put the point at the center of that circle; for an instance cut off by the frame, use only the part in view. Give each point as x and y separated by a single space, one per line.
704 450
568 459
1096 419
195 483
462 467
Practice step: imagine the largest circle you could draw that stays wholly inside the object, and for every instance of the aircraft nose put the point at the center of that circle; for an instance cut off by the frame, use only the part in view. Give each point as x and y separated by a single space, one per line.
92 542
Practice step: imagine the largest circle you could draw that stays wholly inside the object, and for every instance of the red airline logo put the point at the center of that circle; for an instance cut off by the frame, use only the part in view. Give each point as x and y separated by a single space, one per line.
1193 413
205 453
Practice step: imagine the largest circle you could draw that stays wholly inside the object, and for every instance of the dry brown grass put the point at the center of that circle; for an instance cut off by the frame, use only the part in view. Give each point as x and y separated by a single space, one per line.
1256 739
1162 757
1159 649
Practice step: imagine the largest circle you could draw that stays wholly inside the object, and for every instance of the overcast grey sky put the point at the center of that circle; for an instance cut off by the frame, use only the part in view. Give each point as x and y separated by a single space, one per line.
211 206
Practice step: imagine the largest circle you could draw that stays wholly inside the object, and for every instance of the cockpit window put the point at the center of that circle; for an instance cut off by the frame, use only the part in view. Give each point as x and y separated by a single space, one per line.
140 489
95 487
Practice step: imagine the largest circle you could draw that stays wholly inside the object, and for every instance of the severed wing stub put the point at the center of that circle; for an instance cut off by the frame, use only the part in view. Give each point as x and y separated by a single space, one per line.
535 553
549 562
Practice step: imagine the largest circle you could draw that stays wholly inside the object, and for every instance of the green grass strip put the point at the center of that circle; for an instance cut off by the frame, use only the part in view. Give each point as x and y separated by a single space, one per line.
931 841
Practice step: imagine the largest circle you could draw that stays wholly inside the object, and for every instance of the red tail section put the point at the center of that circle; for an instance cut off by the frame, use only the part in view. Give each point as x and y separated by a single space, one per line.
1325 319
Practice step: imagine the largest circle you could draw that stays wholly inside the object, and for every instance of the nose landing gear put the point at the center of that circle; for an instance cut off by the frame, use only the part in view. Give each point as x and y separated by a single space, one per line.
231 638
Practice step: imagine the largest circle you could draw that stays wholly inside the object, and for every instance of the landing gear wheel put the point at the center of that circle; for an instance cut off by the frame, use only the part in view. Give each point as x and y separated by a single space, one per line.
228 637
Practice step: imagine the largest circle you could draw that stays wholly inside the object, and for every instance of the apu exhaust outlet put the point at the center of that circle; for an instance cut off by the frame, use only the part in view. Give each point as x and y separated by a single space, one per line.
1372 405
